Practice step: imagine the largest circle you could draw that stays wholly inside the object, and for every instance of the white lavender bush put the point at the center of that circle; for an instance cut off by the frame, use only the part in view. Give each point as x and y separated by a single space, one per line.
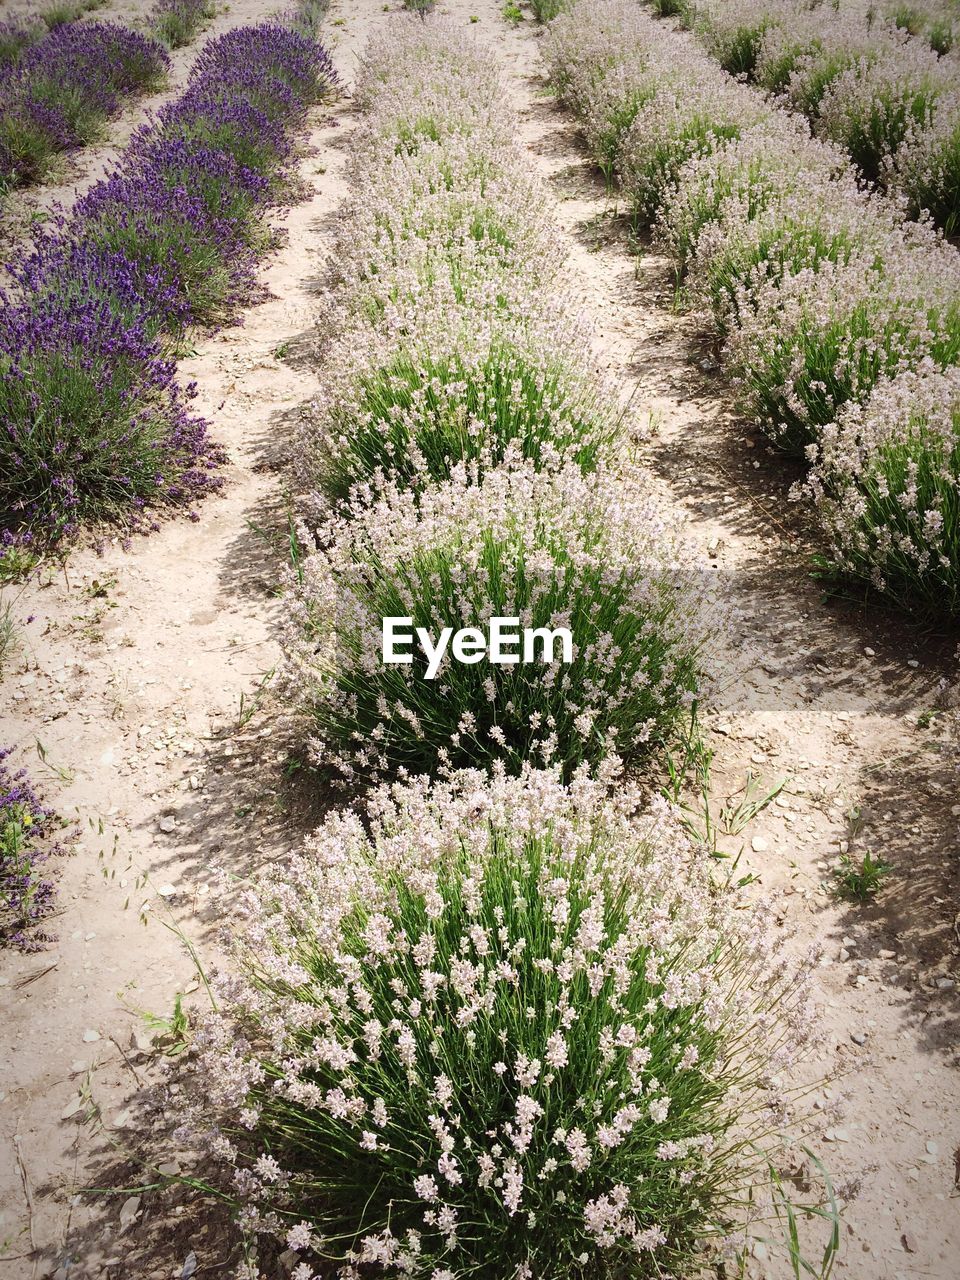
674 126
926 168
820 290
459 383
818 339
553 548
599 58
512 1030
886 481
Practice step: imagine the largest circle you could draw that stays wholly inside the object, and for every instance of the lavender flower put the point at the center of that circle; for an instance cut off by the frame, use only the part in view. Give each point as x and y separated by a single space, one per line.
59 93
93 422
176 22
26 829
622 1022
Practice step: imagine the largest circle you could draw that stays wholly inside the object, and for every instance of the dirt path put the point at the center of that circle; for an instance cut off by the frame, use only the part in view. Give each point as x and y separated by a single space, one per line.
132 676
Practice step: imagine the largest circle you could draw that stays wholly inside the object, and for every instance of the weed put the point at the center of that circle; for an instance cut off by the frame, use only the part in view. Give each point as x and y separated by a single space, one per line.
859 879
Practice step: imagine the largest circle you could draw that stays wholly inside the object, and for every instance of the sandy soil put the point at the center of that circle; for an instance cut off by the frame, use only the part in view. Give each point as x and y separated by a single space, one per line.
144 685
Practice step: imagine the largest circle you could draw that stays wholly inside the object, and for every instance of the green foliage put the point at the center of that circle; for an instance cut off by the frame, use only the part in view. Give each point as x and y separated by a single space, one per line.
859 879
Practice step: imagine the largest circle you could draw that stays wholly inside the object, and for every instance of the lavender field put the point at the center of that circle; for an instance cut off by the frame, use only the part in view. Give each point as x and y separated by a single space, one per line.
479 668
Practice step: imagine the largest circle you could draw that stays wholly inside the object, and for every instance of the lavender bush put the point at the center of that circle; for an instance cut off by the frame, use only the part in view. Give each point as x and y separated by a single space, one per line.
513 1029
886 482
176 22
27 893
60 12
818 339
455 387
187 214
95 423
926 168
592 553
61 91
16 36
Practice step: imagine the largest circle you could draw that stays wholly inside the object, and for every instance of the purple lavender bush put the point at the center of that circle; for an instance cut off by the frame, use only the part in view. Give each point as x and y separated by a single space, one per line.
92 422
176 22
26 844
62 90
189 216
16 36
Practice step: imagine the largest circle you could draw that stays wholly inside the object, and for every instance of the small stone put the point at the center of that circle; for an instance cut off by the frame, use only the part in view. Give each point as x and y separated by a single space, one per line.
128 1211
90 1036
909 1242
912 662
932 1148
72 1107
945 984
759 844
167 823
848 942
141 1039
858 1037
167 890
169 1168
871 653
844 953
886 954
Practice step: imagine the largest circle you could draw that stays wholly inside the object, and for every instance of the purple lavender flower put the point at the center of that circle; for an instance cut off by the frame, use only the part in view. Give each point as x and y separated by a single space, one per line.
92 422
60 92
26 827
176 22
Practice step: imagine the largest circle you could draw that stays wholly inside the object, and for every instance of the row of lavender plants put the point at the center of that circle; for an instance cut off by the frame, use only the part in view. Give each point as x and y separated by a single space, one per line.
840 321
57 90
95 425
58 93
500 1020
889 97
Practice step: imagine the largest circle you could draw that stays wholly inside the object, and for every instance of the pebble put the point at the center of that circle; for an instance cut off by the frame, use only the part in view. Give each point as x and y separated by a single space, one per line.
945 984
72 1107
167 890
167 824
758 844
858 1037
909 1242
90 1036
128 1211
